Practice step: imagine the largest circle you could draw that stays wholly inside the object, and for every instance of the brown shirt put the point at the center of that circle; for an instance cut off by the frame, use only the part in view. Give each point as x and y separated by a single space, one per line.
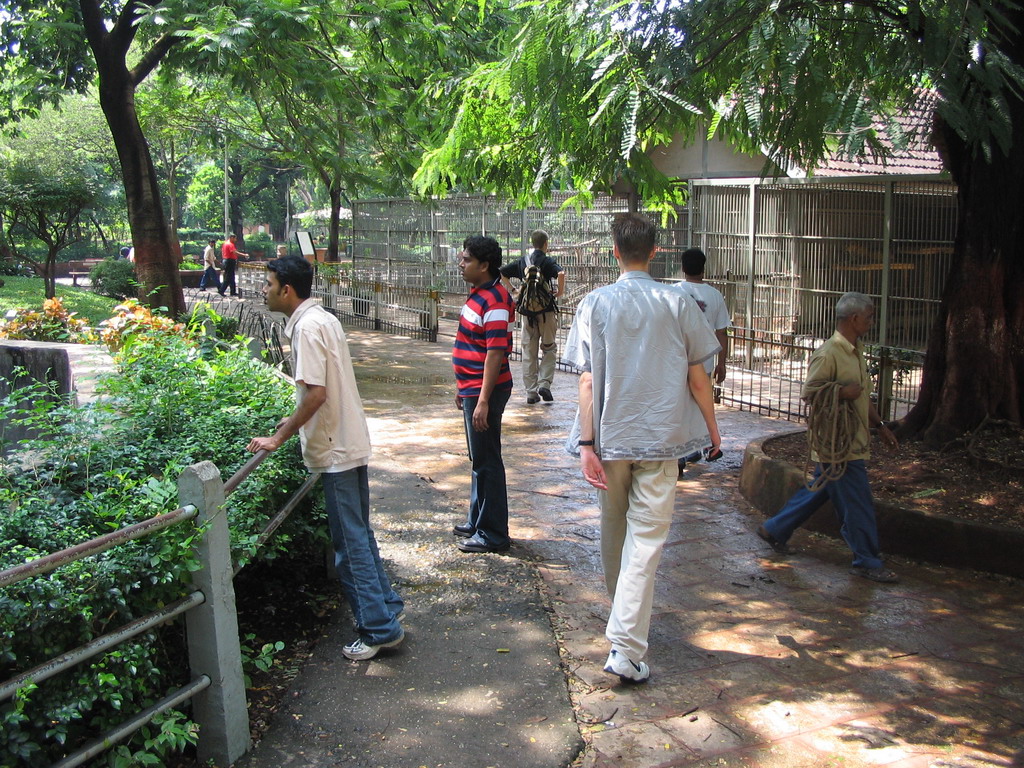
840 361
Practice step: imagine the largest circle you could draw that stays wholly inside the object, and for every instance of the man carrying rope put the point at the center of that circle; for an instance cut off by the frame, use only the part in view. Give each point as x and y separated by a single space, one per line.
838 391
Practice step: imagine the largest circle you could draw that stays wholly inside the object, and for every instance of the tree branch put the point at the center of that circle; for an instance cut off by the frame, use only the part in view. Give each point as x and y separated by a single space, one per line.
153 56
124 29
93 23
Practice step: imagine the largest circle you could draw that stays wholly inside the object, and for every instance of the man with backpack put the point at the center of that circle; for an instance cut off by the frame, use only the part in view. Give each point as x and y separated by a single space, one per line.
535 304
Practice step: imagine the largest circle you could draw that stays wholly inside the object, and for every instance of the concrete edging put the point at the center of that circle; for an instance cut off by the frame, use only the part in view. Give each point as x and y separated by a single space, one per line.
767 483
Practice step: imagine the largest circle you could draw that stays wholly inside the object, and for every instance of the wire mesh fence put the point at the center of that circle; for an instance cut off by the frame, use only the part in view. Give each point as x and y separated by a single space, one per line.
781 252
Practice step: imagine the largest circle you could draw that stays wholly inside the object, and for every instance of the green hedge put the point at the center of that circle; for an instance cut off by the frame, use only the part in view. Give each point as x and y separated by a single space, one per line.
106 465
114 278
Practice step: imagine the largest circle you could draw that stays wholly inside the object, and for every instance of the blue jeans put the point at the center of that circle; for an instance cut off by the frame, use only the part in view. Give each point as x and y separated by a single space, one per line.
851 497
375 604
209 276
488 501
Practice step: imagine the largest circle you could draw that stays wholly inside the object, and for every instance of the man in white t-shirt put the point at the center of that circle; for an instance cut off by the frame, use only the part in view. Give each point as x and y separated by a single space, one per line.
712 304
336 445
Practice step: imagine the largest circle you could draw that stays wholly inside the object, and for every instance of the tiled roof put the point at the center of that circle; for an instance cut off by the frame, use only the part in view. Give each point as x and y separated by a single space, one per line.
919 156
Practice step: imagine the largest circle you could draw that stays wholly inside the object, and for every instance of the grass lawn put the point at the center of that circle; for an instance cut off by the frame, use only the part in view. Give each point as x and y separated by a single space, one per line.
27 293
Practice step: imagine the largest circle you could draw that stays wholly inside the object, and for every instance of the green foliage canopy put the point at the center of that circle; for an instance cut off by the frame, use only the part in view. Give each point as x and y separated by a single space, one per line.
587 89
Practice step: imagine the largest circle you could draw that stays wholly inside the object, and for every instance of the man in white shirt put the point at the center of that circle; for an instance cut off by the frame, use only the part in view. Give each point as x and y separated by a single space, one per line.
336 445
210 267
712 304
633 340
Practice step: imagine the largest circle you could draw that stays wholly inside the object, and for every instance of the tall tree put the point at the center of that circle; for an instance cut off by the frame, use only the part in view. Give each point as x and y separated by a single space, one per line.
349 89
178 131
602 80
52 46
44 204
53 173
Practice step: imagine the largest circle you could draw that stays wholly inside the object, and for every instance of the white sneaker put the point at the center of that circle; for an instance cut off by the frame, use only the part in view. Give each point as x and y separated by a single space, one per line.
627 670
360 651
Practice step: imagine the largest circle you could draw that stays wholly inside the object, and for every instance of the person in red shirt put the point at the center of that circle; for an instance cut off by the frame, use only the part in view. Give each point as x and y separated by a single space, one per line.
480 360
229 253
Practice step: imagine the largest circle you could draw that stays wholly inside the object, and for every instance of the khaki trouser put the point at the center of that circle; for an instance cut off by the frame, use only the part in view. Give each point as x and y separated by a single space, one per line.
636 513
538 336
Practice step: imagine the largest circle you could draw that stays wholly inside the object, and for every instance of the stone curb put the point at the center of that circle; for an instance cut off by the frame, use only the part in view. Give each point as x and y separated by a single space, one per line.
767 483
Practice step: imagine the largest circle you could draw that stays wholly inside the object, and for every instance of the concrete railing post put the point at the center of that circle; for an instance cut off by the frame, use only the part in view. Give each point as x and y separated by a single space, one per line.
213 644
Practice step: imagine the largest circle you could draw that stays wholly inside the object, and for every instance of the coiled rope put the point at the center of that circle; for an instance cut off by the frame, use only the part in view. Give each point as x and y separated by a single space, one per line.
832 428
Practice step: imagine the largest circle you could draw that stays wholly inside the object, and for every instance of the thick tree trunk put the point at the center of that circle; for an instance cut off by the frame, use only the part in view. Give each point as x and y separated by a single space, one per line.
155 260
50 272
974 367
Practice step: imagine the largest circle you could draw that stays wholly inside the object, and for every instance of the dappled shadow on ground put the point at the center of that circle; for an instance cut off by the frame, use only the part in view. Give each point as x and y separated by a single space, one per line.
756 660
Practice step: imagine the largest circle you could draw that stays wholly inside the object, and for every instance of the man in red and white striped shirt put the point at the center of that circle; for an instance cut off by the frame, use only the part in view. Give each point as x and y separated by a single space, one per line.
480 360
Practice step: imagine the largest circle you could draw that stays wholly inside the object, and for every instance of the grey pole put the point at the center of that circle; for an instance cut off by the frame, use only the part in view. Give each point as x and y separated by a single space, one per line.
213 645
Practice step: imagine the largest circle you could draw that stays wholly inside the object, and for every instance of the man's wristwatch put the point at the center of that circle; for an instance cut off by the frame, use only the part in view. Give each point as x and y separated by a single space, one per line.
581 443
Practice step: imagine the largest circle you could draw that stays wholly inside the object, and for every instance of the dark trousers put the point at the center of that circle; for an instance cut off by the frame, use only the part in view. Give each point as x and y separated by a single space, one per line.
229 277
488 501
209 278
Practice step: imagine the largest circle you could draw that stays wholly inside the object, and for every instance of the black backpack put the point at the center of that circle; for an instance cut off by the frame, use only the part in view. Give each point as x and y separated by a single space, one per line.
535 297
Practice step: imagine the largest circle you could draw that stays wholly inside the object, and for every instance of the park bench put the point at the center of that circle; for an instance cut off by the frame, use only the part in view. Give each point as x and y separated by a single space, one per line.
77 269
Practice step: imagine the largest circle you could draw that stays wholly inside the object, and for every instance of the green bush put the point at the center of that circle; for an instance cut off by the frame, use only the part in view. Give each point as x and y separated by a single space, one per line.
78 251
14 268
105 465
114 277
224 327
259 240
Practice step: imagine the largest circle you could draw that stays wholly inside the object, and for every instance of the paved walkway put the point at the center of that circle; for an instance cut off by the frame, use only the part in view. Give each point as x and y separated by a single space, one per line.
756 660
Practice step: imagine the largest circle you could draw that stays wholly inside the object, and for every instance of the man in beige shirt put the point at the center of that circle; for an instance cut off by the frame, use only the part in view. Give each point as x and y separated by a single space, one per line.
837 376
336 445
210 267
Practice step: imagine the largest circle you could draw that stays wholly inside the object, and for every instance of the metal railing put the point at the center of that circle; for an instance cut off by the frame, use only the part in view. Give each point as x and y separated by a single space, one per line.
371 303
217 688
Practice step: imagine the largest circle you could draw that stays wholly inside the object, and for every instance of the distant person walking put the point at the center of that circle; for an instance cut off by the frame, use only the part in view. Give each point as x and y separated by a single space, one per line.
538 326
229 255
712 304
838 390
210 265
336 445
480 360
633 340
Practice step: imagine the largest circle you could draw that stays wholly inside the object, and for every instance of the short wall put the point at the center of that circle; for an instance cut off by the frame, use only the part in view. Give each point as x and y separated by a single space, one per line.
41 361
767 483
190 277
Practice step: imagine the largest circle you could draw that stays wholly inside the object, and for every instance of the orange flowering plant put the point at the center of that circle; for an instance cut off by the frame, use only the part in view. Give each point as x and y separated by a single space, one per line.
51 323
135 321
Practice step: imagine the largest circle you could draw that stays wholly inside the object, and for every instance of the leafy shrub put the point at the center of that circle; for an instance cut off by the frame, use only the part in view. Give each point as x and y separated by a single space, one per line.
100 467
259 240
221 328
114 277
15 268
135 322
76 251
190 265
51 323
